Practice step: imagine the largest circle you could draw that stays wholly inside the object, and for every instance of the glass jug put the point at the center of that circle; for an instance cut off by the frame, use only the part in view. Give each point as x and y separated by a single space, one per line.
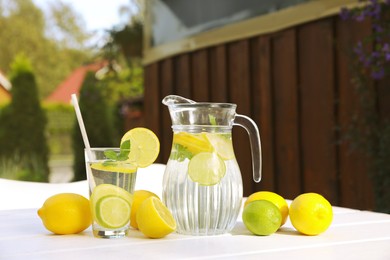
202 183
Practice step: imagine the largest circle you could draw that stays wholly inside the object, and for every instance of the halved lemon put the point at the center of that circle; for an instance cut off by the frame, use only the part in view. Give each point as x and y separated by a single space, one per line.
144 148
154 218
139 197
206 168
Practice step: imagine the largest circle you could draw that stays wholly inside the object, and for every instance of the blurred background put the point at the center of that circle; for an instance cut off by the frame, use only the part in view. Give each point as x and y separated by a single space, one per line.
313 74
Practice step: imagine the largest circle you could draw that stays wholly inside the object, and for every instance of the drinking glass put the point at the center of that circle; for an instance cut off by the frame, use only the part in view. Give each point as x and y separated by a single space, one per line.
111 188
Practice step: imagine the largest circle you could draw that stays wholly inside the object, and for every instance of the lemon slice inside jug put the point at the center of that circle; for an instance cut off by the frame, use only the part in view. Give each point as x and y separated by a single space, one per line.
206 168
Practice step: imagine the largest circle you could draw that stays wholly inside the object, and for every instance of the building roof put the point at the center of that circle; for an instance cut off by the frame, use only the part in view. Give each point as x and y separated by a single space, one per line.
72 83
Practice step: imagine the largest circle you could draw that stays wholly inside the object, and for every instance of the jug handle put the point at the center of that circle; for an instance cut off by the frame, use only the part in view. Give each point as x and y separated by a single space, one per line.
254 139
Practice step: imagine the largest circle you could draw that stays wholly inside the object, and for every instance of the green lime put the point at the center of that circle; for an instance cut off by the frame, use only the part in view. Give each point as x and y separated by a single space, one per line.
222 144
262 217
112 212
206 168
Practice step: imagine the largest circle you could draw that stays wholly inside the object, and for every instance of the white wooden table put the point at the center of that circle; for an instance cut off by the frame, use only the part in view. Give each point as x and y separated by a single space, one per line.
353 235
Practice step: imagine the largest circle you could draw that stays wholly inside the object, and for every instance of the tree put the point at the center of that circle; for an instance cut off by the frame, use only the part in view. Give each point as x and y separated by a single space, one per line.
22 138
55 46
97 124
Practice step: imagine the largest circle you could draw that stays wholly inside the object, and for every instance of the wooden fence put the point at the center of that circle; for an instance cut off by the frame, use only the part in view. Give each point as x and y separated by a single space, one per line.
296 85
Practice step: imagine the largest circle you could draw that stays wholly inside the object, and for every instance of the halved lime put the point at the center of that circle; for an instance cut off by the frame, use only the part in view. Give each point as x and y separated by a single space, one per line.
222 144
144 146
206 168
112 212
123 167
107 190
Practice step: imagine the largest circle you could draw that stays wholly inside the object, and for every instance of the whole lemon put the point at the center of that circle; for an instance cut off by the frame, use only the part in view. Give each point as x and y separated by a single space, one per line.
311 214
138 197
66 213
273 197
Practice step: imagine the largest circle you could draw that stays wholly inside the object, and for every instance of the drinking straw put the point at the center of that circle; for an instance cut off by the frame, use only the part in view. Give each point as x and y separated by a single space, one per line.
81 125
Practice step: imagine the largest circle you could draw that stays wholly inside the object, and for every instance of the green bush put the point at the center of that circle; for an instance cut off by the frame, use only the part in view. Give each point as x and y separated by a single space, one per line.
61 118
95 113
23 147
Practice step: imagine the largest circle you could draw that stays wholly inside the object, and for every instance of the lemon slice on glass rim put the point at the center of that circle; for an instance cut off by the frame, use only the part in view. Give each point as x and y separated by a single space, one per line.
144 148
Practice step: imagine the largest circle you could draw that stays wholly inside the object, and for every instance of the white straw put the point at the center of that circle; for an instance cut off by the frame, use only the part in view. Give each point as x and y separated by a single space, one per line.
81 124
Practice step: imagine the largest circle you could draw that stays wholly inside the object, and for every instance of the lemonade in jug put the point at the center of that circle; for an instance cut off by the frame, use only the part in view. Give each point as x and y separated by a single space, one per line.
202 183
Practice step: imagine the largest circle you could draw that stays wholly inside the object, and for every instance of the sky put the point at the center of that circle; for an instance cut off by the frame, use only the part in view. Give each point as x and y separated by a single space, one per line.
103 15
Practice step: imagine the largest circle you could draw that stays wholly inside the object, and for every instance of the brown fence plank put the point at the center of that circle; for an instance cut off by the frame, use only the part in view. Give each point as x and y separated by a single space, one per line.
200 75
284 80
166 82
239 92
355 185
218 71
262 107
182 75
383 99
316 77
152 101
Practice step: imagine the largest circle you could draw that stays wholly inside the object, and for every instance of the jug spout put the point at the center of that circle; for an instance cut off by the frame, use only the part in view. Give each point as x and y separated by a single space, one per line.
174 99
186 112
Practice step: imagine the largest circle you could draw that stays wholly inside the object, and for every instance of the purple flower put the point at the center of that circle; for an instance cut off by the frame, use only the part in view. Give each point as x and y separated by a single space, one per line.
344 13
377 27
375 11
378 73
386 47
386 51
387 56
366 61
375 54
359 47
360 17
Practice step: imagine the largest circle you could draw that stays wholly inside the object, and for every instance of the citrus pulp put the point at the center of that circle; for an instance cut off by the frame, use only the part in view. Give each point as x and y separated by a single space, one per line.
144 146
154 218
